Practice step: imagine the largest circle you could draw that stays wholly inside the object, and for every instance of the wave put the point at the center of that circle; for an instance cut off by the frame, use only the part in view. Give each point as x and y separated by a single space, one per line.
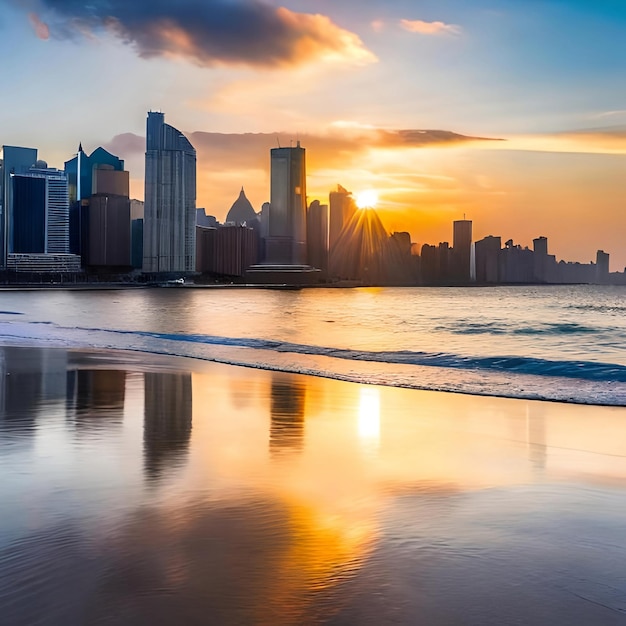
583 370
492 328
581 382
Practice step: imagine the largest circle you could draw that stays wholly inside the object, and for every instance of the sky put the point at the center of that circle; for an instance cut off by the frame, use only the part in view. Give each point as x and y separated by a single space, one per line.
511 113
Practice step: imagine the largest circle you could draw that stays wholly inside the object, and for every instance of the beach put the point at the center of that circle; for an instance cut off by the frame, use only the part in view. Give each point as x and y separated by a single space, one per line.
141 488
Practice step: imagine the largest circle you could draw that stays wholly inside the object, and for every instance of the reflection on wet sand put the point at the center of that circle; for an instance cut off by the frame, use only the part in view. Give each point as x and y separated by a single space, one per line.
369 505
288 396
167 421
96 397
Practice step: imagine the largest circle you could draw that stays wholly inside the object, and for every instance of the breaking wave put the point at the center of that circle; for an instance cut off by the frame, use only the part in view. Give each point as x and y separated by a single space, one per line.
584 382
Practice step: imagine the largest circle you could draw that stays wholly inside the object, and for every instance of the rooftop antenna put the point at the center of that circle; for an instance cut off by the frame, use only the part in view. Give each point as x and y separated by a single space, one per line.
278 141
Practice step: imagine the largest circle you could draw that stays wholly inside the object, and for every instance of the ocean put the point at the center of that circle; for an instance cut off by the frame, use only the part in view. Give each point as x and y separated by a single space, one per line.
562 343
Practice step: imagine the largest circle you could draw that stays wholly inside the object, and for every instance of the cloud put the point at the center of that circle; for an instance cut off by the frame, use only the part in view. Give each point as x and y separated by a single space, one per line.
226 161
41 28
211 32
430 28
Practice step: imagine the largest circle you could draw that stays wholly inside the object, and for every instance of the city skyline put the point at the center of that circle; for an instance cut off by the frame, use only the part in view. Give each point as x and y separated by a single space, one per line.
532 80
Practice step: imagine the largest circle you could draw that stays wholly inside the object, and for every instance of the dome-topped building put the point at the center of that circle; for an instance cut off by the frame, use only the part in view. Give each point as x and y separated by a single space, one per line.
241 212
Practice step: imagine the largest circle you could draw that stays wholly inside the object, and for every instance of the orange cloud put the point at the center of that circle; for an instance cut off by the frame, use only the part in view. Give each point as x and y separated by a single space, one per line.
430 28
214 32
41 28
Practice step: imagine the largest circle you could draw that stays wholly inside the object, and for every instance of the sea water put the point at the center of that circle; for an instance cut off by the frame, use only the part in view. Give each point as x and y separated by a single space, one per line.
564 343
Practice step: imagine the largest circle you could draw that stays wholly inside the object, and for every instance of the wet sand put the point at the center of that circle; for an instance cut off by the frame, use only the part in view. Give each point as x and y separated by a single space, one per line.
151 490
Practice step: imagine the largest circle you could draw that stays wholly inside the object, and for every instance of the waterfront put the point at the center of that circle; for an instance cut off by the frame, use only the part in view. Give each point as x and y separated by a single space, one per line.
158 488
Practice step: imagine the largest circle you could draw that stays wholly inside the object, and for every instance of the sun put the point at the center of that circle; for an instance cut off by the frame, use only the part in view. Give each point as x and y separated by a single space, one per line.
367 199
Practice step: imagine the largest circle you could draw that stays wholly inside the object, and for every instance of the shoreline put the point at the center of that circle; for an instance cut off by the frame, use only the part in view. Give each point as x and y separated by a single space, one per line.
163 358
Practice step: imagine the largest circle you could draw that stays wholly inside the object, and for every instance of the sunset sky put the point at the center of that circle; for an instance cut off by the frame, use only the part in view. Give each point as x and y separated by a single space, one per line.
510 112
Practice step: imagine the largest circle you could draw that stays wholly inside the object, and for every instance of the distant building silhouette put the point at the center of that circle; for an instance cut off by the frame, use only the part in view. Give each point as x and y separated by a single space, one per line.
342 207
462 251
202 219
317 236
487 260
364 251
170 199
241 212
516 264
602 267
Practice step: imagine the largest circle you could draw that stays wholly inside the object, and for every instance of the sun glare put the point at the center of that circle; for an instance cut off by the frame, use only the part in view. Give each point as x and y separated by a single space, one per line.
367 199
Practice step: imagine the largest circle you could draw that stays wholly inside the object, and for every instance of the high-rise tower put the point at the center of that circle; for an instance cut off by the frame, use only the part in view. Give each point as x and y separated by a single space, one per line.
15 160
170 199
286 244
462 251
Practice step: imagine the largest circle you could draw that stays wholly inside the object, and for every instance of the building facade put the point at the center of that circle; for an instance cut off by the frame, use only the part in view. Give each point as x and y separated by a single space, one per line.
40 211
286 242
170 199
462 251
15 160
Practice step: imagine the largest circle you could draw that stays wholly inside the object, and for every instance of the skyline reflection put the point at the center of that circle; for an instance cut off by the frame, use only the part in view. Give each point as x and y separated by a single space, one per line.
287 418
167 421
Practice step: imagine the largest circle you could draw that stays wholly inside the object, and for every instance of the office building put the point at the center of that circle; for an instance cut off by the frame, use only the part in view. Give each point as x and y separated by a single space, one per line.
81 178
225 250
40 211
170 199
286 242
108 220
602 267
487 259
15 160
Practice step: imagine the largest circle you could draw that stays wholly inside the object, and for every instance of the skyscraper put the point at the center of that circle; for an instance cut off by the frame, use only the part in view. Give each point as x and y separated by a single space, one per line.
462 251
342 208
82 173
286 244
15 160
40 212
170 199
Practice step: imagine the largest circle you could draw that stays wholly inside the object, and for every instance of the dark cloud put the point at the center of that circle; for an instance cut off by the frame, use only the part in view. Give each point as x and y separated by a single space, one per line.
210 32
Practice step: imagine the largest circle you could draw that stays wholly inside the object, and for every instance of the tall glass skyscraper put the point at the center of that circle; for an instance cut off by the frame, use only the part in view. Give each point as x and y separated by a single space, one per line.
286 243
170 199
40 219
15 160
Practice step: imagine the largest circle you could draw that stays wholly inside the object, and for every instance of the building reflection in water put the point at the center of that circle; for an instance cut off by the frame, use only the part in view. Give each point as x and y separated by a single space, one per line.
167 421
95 398
32 380
288 395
